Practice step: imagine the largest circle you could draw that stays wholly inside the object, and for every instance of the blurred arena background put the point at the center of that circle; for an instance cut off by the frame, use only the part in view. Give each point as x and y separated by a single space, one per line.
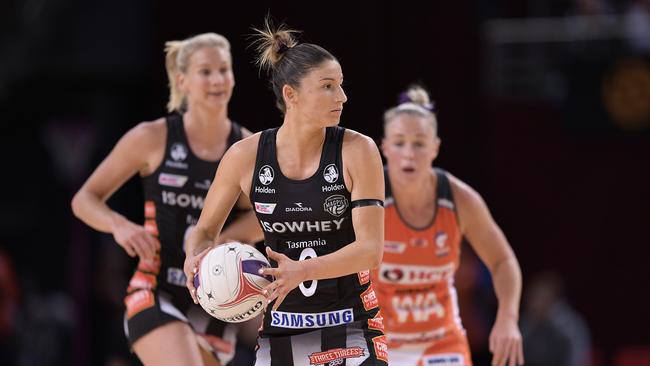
544 108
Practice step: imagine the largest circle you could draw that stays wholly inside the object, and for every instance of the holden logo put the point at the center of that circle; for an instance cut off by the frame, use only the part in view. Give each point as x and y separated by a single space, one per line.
331 174
336 205
178 152
266 175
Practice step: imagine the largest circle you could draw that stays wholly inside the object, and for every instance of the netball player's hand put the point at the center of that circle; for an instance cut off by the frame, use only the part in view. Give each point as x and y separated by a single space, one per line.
191 267
135 239
505 342
288 275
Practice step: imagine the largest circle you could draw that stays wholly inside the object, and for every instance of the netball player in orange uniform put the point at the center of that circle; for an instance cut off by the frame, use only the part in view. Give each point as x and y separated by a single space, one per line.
428 211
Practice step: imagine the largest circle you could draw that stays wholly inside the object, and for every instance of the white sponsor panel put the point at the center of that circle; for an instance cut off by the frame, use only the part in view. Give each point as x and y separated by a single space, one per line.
282 319
172 180
265 208
414 275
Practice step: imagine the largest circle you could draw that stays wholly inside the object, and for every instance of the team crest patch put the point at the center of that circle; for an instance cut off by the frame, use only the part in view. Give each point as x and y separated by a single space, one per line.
336 205
266 175
331 173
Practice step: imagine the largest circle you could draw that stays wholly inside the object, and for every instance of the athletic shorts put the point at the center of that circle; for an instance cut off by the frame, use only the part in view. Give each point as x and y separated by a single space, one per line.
349 345
450 351
148 309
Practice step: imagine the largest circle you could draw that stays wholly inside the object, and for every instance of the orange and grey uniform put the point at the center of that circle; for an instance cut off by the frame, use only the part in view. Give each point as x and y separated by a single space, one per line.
415 285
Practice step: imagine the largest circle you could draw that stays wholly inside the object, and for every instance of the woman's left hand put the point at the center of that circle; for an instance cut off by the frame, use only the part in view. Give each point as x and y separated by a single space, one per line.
288 275
505 342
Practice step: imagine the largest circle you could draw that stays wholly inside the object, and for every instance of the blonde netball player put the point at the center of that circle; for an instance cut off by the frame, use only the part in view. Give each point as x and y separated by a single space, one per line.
176 156
428 211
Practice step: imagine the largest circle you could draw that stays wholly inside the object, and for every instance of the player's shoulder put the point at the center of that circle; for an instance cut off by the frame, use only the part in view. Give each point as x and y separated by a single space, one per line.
147 133
246 147
462 191
358 142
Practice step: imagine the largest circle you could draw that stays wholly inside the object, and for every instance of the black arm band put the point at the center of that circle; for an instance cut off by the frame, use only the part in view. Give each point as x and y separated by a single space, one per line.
367 202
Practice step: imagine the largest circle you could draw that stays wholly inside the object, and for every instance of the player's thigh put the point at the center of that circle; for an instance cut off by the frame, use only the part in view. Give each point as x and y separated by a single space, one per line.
171 344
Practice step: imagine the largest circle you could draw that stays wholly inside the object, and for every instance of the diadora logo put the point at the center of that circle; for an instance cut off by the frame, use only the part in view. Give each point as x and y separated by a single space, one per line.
333 187
414 275
178 152
298 208
205 184
182 200
336 205
265 208
331 173
266 175
172 180
282 319
301 226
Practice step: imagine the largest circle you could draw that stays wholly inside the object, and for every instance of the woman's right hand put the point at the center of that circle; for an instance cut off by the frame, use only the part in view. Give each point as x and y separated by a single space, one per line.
135 239
190 267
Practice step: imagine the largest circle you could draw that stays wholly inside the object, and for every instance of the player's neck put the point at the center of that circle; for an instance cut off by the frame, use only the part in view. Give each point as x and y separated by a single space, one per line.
207 124
300 139
415 194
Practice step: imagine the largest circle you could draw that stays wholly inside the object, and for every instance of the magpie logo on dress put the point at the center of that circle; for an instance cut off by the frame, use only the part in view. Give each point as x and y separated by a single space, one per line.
331 173
266 175
336 205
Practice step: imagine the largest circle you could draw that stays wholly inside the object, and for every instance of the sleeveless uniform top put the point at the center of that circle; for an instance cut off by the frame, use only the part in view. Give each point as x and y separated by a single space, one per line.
305 219
174 195
415 282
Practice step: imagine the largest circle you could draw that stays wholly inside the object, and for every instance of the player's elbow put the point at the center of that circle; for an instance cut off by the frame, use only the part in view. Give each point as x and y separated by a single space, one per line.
75 204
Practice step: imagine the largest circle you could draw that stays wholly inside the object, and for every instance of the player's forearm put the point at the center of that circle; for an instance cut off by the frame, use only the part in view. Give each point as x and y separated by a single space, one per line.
198 240
352 258
507 286
94 212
